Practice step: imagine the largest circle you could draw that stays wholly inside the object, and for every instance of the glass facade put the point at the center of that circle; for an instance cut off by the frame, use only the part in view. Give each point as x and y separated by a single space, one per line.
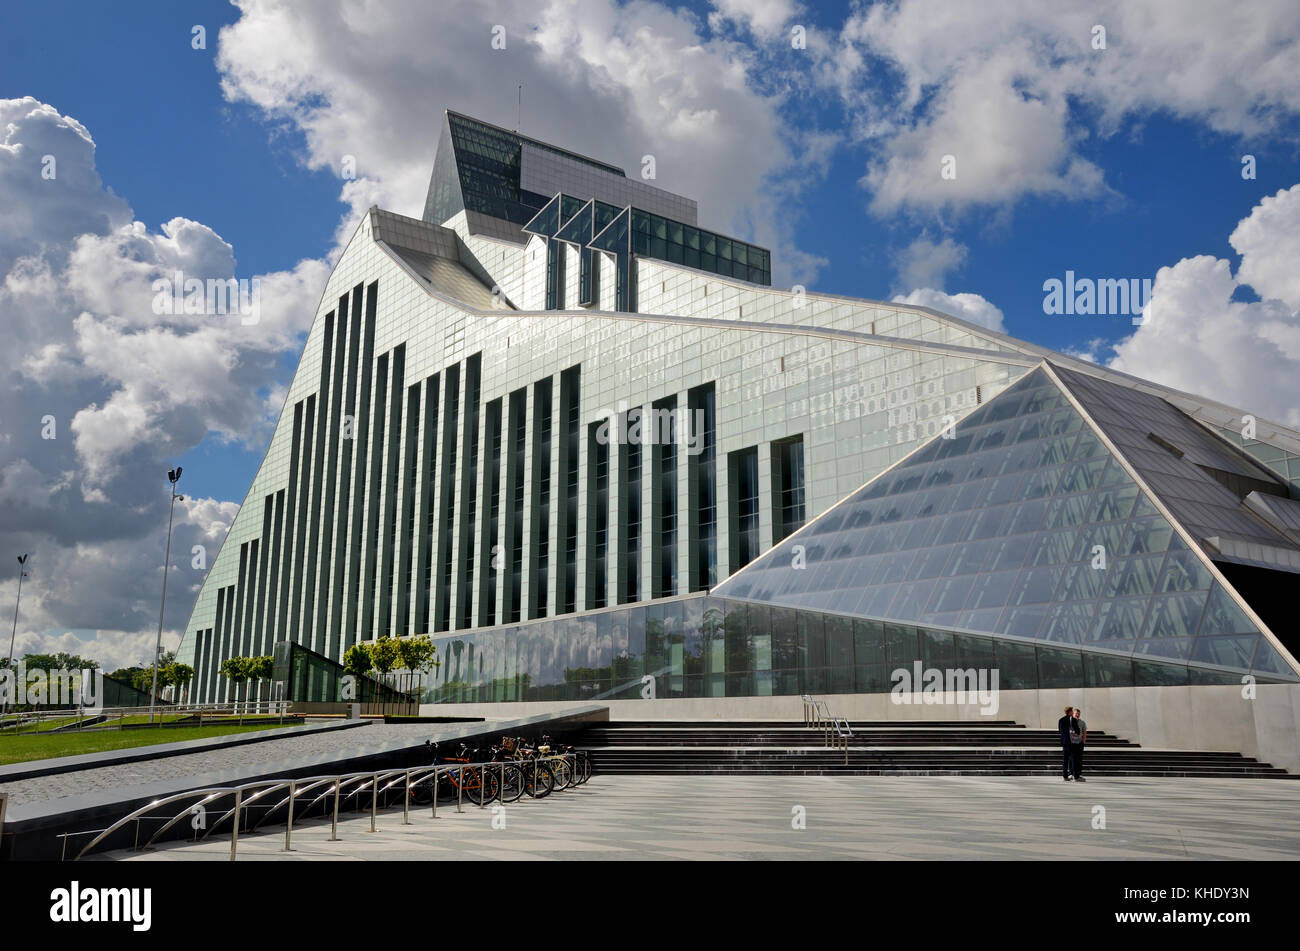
655 236
704 646
1283 463
479 170
1018 522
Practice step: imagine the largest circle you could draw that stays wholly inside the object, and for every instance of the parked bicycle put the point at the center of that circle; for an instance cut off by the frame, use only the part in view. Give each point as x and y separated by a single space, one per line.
476 783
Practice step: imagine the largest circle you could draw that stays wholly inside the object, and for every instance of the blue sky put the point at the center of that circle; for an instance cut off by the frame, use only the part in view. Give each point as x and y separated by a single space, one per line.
190 152
1113 168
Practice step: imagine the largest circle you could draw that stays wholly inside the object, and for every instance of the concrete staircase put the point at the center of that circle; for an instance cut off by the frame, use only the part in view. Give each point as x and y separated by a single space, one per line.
935 747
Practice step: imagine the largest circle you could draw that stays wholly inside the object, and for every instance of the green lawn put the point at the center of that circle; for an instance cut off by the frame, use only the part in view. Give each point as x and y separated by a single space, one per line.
24 748
44 726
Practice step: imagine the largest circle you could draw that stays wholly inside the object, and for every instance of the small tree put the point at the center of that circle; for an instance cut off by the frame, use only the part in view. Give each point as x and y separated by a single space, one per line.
384 654
261 668
179 675
357 660
237 669
417 654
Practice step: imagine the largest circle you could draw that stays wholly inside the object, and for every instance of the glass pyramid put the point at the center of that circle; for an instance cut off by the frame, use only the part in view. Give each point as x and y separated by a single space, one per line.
1019 523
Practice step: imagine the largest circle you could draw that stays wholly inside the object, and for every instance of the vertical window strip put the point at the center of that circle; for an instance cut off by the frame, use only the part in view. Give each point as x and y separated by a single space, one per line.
743 473
516 481
392 483
570 409
406 567
541 511
330 472
272 633
308 600
370 568
490 557
424 571
469 494
287 544
597 512
264 556
661 434
364 434
629 490
447 503
703 488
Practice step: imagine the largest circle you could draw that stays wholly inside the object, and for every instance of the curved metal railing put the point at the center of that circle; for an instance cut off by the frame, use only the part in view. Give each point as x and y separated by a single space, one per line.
246 795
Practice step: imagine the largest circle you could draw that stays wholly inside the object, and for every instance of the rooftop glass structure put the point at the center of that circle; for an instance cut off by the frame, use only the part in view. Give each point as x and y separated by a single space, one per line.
479 168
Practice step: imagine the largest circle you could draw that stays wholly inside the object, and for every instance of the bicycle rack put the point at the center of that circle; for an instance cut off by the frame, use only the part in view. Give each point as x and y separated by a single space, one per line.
336 786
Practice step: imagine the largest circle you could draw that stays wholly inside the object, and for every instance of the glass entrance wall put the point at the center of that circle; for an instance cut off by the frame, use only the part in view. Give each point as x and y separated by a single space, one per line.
704 646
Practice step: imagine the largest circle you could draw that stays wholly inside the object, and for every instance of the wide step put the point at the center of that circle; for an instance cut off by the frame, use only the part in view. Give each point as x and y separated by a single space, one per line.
976 748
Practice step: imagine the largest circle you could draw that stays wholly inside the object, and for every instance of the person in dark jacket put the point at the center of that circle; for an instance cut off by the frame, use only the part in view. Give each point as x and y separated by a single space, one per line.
1078 738
1065 726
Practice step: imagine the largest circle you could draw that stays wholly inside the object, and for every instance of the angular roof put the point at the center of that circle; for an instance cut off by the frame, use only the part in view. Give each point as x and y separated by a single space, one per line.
1028 520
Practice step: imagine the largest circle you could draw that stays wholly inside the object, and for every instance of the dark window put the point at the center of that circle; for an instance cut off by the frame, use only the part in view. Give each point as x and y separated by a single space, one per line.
598 513
542 427
701 448
743 476
630 507
661 433
787 487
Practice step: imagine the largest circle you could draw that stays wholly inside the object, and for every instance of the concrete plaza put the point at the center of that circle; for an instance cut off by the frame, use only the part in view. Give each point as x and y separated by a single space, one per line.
851 817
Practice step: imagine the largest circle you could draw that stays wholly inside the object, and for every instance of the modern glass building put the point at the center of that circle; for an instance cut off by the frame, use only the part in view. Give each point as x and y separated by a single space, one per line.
584 444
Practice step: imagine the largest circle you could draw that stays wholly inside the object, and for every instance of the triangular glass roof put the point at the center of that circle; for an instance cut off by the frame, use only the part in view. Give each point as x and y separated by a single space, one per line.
615 237
1021 523
547 221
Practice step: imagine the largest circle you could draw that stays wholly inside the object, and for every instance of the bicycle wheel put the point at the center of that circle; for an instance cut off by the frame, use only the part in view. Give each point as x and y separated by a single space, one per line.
540 780
447 787
422 792
563 772
511 781
480 785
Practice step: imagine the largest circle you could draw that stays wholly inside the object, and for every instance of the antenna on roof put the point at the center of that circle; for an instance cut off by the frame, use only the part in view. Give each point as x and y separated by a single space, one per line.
520 107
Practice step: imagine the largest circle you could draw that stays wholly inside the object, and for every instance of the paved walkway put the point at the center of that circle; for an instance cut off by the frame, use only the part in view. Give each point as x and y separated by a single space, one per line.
178 767
901 818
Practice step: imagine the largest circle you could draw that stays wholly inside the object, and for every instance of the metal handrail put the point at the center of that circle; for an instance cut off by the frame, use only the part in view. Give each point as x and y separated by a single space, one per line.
836 731
364 779
16 720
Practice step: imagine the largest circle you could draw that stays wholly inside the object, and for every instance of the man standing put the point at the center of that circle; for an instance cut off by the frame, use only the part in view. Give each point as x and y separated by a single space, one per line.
1078 737
1064 725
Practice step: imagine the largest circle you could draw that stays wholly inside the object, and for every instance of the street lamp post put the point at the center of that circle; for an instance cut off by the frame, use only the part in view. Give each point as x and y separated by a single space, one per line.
173 475
9 660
